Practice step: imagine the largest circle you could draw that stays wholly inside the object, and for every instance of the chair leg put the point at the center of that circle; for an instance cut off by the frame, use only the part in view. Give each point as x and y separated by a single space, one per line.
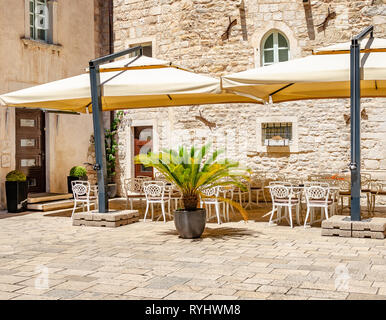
290 215
307 214
297 214
131 204
272 213
88 206
147 209
326 212
163 210
152 211
73 210
217 207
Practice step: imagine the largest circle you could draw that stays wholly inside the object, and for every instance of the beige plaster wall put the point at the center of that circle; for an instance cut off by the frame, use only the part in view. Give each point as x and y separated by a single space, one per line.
25 63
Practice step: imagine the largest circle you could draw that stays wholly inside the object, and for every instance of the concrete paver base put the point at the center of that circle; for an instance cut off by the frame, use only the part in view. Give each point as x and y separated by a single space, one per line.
342 226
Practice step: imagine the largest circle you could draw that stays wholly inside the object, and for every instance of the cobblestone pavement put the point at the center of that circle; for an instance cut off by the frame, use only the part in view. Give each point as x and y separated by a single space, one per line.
47 258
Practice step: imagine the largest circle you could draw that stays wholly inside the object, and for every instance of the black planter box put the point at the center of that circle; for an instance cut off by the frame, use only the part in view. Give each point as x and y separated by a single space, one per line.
70 179
16 193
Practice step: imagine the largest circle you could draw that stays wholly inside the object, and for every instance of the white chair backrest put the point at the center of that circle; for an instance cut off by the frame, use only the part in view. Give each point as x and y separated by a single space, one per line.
133 185
280 191
80 189
211 192
317 193
154 190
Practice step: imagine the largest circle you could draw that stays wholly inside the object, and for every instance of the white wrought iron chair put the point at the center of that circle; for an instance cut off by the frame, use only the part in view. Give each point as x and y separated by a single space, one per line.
377 189
283 195
344 192
366 189
257 185
210 197
155 193
81 191
134 191
318 196
244 197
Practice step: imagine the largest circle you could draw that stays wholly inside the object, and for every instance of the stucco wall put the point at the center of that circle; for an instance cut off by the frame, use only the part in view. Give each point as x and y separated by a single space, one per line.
188 32
25 63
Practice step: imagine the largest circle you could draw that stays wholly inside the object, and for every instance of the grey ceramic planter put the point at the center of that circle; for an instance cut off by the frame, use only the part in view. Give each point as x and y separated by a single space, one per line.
190 224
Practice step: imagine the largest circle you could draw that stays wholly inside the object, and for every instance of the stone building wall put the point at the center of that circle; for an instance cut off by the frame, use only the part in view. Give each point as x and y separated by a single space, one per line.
188 32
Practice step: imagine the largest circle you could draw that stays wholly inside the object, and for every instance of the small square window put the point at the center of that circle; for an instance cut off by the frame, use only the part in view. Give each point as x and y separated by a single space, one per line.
147 49
276 133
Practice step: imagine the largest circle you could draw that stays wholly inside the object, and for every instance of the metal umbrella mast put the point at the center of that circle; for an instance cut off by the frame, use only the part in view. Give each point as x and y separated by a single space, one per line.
97 116
355 165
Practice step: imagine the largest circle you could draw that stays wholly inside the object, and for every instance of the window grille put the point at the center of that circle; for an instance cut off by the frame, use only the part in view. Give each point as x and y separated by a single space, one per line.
277 131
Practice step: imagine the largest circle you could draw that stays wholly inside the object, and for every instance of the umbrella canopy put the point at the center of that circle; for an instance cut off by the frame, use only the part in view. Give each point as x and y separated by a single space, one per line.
139 82
325 74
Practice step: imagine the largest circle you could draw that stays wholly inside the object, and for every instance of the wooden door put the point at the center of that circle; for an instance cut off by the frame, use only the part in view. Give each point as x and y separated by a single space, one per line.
30 148
143 143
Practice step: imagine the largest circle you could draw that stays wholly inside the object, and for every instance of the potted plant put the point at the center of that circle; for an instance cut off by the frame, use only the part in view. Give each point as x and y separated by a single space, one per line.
193 171
16 189
76 173
111 147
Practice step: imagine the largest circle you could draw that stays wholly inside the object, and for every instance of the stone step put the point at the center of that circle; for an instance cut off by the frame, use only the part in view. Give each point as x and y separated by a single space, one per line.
51 205
66 212
47 196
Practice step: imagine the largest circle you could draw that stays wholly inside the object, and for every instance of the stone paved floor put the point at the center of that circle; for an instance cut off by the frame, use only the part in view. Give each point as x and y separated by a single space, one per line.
47 258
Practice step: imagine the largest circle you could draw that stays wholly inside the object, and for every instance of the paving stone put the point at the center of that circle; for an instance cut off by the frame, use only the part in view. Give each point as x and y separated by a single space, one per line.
220 297
273 289
252 294
317 293
109 289
61 293
359 296
183 295
165 282
8 295
149 293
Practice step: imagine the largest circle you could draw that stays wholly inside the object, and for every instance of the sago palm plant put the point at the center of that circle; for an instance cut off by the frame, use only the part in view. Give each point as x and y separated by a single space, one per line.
193 171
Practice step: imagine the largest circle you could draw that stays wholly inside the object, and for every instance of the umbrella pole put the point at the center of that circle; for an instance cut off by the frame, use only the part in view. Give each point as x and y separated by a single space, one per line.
99 132
355 165
99 139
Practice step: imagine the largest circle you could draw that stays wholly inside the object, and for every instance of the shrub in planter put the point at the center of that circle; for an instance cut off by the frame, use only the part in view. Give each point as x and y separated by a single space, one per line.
16 189
111 147
192 171
76 173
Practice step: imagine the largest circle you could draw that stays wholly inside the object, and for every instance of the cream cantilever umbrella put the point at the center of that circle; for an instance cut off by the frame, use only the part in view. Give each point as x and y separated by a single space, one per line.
139 82
325 74
346 70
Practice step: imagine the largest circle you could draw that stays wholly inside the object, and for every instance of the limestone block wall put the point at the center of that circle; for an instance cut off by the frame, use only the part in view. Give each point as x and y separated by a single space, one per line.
188 32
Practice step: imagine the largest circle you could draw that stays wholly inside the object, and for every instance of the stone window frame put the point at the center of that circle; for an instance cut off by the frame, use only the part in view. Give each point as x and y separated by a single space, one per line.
130 173
271 26
143 41
275 48
52 32
293 145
